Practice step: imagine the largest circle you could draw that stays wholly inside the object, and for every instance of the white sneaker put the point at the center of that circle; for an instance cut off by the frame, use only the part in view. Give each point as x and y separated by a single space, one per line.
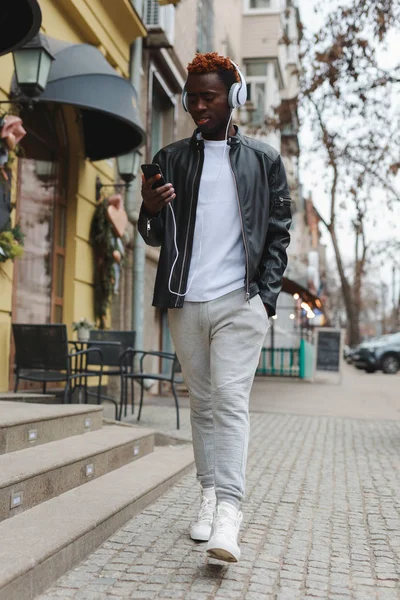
200 531
223 543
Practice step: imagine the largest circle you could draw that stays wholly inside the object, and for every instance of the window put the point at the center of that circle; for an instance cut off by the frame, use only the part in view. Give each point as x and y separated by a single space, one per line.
256 69
152 13
262 89
162 114
205 26
257 4
256 78
260 6
256 96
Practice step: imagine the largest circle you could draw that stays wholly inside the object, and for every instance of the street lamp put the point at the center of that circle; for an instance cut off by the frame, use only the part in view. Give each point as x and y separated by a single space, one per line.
128 166
44 170
32 65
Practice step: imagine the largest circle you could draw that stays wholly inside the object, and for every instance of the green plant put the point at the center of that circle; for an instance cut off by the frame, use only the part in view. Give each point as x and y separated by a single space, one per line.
82 323
11 243
102 240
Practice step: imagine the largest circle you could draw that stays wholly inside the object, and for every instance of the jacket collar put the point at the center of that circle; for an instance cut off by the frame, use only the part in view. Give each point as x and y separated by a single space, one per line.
234 140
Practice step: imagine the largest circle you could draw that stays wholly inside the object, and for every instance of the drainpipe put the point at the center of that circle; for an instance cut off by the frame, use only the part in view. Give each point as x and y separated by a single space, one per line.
139 252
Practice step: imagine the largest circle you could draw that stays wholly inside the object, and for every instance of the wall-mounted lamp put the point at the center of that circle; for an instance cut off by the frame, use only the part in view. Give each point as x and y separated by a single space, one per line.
32 65
128 166
45 171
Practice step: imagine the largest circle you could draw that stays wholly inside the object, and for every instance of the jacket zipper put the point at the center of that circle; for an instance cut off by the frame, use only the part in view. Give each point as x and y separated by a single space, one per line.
247 295
187 232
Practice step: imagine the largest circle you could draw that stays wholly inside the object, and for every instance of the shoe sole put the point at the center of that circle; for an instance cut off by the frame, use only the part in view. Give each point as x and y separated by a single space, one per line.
199 538
221 554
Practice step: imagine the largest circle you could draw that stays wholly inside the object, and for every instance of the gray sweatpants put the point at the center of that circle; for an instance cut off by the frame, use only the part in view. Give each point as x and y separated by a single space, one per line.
218 344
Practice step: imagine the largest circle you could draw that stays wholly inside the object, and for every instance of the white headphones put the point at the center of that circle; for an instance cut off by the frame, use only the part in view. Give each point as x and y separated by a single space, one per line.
237 95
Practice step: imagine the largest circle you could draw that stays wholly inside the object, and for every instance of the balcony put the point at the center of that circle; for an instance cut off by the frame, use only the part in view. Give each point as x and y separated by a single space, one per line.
160 24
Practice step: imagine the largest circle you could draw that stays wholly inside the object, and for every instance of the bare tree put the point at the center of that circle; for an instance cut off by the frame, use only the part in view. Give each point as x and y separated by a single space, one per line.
348 100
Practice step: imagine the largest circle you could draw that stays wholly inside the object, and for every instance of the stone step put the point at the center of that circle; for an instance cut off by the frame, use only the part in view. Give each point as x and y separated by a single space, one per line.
27 425
40 545
34 475
28 397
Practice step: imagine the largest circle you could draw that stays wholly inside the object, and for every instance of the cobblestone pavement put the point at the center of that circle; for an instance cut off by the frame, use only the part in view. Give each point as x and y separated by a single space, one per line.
321 521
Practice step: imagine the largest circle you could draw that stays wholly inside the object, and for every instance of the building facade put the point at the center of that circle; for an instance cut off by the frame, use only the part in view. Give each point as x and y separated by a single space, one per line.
53 187
51 192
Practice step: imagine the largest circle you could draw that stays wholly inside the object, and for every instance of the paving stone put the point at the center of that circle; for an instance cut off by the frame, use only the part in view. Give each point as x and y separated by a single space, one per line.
321 501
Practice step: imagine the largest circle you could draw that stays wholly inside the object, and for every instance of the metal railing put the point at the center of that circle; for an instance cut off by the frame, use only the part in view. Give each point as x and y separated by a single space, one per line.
280 362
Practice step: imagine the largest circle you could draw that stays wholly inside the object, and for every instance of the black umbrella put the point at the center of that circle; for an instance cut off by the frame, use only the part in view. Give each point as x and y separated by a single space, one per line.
20 21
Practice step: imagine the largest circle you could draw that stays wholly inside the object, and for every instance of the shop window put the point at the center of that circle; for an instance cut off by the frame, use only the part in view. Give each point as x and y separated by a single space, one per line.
41 212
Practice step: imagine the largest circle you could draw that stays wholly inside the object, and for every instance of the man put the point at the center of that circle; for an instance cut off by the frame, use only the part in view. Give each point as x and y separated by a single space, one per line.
222 221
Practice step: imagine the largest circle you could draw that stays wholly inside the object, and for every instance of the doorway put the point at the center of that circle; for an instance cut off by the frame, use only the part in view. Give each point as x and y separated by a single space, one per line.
41 211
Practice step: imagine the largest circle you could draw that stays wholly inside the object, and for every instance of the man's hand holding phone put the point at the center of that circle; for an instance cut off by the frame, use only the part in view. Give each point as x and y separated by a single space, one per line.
155 192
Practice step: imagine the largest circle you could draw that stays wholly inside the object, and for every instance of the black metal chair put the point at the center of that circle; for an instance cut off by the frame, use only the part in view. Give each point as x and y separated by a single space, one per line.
42 355
113 344
130 372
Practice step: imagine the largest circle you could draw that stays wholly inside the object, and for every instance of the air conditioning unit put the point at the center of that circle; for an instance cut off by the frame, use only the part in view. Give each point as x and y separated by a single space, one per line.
160 23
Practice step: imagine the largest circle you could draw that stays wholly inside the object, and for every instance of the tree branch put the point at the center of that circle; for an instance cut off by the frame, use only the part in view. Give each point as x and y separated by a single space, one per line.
327 141
376 174
321 218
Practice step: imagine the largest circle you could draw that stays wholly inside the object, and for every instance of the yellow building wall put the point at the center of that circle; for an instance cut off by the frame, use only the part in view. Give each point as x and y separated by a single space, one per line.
111 27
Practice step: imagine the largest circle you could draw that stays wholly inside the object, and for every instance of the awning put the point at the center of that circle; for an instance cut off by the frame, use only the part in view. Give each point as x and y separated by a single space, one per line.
292 287
81 76
20 21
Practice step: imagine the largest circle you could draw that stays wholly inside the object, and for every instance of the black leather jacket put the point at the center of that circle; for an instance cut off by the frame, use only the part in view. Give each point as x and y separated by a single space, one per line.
264 202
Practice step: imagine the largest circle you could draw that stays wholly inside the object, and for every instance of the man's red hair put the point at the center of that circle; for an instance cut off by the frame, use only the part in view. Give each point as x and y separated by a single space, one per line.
211 62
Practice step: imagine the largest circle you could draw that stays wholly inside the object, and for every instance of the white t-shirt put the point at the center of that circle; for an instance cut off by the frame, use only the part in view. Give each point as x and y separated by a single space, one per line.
218 260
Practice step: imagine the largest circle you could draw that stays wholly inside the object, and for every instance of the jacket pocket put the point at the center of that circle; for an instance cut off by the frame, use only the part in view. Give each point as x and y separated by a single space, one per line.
282 201
281 207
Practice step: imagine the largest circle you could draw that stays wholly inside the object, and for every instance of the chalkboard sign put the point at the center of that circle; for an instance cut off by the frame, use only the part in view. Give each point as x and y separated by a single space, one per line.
329 347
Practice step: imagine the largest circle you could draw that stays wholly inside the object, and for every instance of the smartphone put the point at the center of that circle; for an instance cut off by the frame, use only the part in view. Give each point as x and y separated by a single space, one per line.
149 170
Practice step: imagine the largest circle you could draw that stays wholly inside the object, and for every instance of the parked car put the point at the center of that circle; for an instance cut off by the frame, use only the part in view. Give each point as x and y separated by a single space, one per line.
354 353
348 353
380 354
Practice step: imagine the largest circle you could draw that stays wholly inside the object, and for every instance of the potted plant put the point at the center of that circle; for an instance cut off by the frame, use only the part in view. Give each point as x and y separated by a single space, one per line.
83 327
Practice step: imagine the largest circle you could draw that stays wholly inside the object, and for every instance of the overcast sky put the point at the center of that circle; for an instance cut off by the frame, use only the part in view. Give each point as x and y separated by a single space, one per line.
311 165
